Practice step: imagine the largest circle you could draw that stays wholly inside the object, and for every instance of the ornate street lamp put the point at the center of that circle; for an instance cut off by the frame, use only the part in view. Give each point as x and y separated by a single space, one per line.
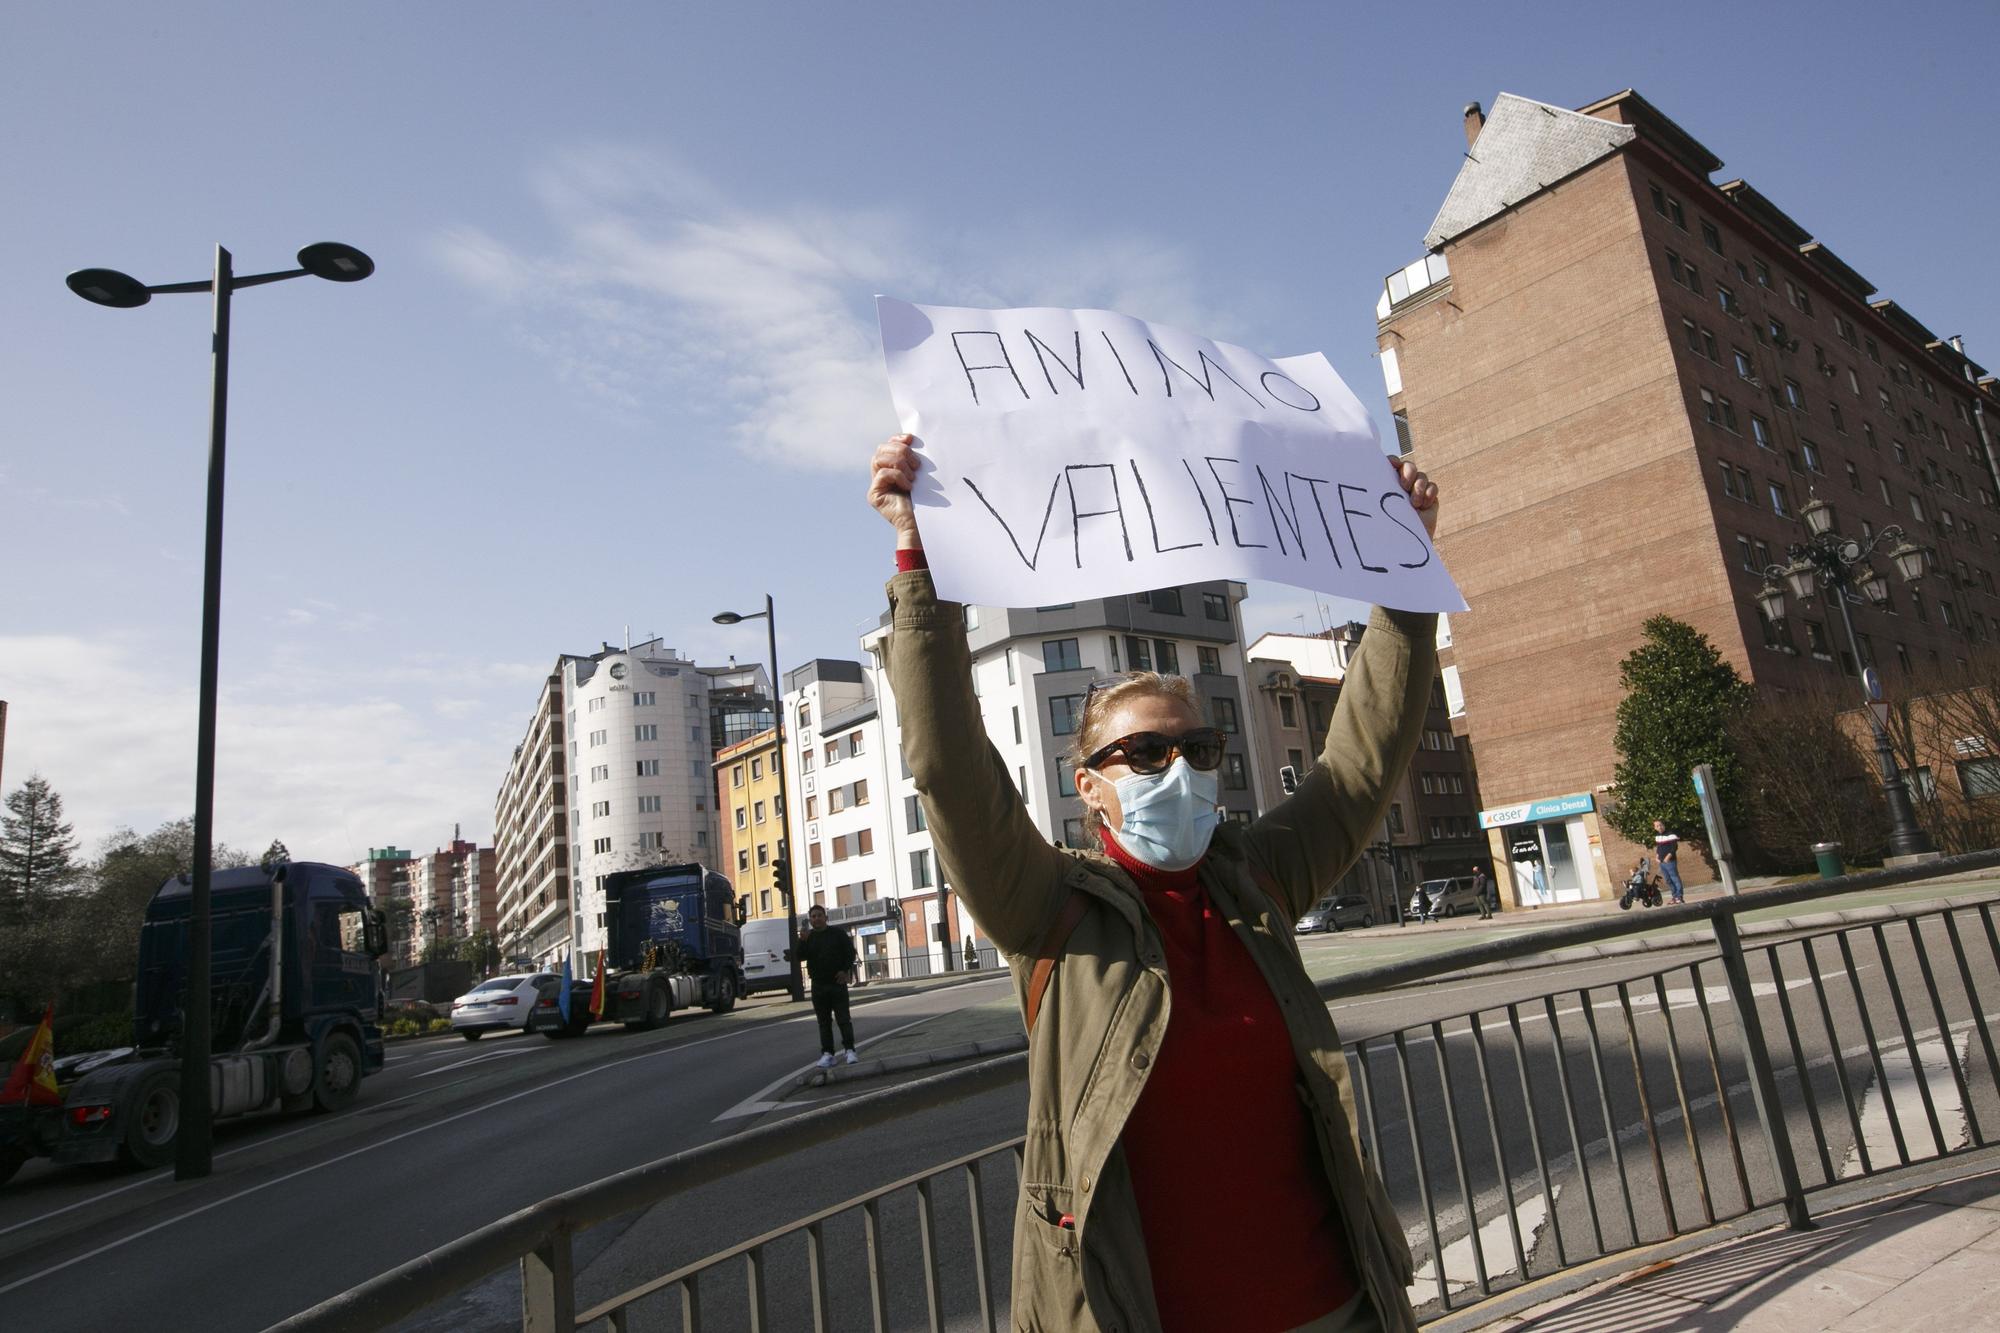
1838 565
194 1145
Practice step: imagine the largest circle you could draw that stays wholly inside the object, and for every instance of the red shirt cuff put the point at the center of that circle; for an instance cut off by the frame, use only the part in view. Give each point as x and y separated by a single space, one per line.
910 558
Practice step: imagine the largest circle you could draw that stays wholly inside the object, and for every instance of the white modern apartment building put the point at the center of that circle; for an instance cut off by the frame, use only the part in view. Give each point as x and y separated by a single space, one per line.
1031 670
635 731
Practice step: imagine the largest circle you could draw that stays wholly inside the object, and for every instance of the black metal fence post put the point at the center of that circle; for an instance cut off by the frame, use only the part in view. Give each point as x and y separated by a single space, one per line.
1763 1081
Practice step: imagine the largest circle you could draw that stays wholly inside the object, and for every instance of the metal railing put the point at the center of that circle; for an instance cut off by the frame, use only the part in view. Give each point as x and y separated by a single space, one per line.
1515 1139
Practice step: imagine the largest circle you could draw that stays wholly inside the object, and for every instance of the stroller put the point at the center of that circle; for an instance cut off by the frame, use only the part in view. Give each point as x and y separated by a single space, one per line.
1643 887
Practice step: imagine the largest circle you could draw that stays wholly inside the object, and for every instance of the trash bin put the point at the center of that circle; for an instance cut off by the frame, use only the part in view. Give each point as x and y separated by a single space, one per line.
1828 856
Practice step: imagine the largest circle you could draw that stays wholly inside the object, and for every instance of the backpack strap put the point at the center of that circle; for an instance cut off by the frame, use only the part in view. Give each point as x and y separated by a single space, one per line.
1050 952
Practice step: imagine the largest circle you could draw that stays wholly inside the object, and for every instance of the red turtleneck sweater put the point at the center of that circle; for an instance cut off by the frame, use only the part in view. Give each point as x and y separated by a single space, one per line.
1242 1231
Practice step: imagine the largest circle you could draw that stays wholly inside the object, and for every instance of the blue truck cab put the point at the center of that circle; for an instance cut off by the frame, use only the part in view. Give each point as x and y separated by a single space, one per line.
671 941
295 991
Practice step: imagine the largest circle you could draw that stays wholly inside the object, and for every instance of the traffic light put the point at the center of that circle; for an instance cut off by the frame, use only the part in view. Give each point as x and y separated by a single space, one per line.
1288 778
781 879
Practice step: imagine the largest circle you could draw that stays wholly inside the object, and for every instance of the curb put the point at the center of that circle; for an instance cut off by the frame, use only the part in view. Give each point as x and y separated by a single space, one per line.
898 1064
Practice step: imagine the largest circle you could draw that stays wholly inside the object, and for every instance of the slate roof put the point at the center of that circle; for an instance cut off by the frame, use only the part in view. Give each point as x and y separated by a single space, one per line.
1524 147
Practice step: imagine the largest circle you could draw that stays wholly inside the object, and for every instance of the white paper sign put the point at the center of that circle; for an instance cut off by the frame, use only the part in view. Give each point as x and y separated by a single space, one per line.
1079 453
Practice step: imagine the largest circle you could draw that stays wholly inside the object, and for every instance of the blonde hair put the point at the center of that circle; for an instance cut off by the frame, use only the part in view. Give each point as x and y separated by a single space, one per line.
1093 729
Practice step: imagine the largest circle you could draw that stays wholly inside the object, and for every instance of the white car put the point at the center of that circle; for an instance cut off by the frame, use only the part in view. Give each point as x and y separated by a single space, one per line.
496 1004
767 955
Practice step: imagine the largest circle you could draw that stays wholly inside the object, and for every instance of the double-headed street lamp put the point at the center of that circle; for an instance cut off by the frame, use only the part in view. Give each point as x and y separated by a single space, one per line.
787 881
1838 566
194 1144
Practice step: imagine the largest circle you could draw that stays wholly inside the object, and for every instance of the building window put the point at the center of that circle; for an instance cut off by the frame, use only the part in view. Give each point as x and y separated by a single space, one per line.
1288 711
1072 833
1065 779
1779 504
756 769
1169 657
1395 817
913 815
1795 397
1215 606
642 698
598 737
1166 601
1225 716
645 768
1744 368
743 860
600 847
600 809
763 853
1760 431
1061 655
594 705
920 868
1669 208
1208 659
649 805
1234 775
1710 237
646 731
1065 714
1979 778
1138 653
756 811
736 776
1744 555
742 817
1810 451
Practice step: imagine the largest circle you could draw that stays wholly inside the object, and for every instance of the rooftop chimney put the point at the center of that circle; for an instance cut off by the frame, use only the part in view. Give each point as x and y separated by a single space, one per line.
1958 344
1475 121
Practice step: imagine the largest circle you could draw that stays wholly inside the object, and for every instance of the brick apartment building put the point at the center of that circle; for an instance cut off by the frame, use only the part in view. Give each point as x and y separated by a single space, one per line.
1629 378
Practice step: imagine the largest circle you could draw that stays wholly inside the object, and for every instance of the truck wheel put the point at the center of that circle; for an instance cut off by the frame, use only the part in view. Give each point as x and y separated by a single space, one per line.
470 1034
659 1007
338 1081
725 995
153 1121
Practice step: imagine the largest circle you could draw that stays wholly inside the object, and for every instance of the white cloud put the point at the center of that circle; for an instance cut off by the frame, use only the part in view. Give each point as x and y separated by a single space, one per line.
659 287
332 764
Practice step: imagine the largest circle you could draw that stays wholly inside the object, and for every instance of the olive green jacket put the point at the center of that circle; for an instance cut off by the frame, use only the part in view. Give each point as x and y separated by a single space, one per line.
1105 1011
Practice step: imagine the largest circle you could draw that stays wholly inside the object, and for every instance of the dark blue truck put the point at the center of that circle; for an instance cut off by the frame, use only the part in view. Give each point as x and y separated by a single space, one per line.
294 998
671 941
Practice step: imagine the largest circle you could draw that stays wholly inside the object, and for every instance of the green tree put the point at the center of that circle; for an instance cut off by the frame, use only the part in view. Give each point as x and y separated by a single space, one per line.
37 848
276 854
1680 699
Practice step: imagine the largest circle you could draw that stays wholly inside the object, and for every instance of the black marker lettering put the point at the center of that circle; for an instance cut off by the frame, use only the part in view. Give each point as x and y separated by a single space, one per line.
1005 362
1383 505
1349 515
1269 375
1212 538
1151 517
1076 516
1046 511
1290 520
1039 347
1168 380
1312 488
1229 502
1119 359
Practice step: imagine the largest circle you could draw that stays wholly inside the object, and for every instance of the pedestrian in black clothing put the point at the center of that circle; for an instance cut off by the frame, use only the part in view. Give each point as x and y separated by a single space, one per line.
828 955
1482 889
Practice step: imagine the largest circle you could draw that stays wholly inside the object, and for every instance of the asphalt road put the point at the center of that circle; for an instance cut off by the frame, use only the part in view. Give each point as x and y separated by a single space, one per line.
450 1136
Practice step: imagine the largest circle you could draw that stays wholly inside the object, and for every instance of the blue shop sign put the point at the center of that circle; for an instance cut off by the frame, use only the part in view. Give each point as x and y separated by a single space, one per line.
1528 812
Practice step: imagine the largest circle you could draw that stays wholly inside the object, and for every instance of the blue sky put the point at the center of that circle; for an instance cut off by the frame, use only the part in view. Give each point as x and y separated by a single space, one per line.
617 366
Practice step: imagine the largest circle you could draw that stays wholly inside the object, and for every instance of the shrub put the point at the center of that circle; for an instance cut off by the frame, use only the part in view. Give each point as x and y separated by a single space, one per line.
440 1025
73 1033
403 1027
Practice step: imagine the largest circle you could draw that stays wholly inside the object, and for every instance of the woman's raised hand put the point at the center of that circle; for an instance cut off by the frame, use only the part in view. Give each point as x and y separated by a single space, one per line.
890 475
1423 492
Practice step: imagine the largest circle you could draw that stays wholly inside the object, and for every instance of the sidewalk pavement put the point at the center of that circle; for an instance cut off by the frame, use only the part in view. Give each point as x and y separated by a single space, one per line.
1927 1259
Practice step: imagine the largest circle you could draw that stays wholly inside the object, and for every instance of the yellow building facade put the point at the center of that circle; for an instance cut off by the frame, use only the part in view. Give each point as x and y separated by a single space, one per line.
753 820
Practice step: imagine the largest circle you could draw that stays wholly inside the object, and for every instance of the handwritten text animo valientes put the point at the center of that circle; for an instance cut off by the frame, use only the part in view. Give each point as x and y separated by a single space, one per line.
1080 453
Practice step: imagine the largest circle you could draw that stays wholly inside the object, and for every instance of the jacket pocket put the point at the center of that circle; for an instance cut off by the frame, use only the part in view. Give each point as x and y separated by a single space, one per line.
1048 1270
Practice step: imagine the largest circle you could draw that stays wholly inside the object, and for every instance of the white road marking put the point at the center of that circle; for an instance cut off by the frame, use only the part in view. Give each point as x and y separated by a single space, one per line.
1903 1093
485 1057
757 1102
1496 1247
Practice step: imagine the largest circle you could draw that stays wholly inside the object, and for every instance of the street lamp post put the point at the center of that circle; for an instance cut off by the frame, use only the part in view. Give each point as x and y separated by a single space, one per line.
194 1144
1837 566
770 619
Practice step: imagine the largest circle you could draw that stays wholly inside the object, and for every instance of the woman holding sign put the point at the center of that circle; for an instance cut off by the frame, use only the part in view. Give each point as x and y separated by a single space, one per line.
1192 1159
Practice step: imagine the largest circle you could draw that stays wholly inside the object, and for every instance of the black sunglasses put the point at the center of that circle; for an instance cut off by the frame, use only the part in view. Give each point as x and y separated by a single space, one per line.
1150 752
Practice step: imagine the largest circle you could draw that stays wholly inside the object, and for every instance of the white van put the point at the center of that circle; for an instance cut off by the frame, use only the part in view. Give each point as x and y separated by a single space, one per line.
767 962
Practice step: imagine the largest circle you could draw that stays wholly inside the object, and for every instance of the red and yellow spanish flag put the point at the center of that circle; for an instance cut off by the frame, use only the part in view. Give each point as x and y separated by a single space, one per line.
597 990
33 1082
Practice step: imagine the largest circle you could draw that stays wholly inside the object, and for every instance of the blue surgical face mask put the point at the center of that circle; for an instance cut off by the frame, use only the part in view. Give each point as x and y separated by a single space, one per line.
1168 817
